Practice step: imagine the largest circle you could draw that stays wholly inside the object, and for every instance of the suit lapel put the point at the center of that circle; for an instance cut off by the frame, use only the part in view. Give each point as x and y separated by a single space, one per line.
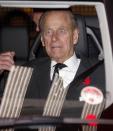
74 89
72 92
82 68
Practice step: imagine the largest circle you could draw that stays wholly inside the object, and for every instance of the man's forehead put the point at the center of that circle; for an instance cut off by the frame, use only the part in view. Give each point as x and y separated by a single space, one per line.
57 17
60 18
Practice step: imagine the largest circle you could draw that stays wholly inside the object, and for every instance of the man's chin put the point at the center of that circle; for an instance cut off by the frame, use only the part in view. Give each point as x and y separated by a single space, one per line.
57 58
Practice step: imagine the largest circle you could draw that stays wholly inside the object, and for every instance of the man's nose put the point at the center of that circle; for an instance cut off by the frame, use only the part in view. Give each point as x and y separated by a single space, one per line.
54 36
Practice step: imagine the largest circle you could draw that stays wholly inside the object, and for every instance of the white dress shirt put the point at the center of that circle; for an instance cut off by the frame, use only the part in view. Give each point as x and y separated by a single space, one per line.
67 73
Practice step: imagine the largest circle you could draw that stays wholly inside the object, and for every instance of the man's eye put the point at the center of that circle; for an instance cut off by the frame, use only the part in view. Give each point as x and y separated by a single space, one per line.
48 32
62 31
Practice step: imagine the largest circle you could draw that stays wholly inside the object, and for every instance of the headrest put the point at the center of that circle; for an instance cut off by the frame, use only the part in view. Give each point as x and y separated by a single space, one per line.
92 21
81 48
15 39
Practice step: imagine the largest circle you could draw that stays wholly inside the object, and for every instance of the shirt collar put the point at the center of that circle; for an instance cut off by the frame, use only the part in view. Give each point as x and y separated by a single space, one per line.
71 62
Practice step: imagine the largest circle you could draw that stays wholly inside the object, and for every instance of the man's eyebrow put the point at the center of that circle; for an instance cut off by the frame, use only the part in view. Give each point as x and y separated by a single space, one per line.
48 28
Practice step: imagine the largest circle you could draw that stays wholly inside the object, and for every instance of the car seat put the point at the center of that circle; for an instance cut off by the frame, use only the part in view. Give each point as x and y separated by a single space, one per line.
15 39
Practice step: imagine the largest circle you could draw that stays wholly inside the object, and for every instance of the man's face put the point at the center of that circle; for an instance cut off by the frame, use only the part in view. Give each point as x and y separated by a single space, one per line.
59 36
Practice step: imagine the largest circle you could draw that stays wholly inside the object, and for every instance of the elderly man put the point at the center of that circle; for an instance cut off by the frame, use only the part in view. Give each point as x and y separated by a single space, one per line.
59 36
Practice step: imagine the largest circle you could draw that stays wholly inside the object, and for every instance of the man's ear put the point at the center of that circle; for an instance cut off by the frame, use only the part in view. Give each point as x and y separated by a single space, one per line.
75 36
42 40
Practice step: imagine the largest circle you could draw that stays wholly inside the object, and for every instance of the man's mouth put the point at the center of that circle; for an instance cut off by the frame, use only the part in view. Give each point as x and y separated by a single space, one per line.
56 46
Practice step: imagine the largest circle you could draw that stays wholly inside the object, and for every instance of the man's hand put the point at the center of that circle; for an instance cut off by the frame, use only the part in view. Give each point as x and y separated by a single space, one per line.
6 60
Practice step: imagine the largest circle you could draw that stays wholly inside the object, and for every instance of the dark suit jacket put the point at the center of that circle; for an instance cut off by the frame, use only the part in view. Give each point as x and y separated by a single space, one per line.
40 82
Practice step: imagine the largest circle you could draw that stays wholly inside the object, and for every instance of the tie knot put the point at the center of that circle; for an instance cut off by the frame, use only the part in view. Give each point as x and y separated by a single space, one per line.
59 66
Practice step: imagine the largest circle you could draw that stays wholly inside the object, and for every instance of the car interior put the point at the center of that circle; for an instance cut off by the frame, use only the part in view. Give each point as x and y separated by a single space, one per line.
17 38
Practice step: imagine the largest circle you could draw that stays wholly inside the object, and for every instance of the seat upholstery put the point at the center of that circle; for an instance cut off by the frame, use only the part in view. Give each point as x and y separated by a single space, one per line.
81 48
37 50
15 39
